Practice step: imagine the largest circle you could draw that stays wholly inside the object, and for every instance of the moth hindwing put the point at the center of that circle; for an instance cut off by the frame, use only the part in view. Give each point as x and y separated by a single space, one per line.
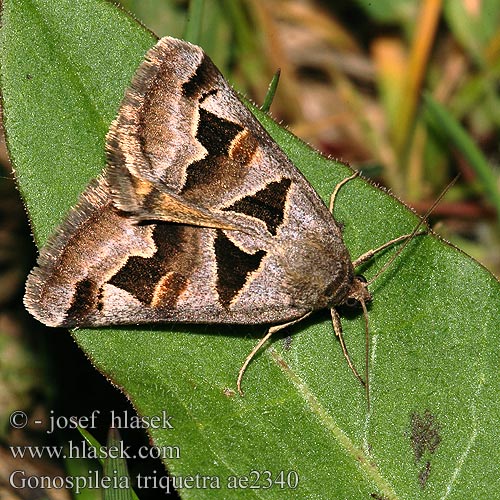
198 217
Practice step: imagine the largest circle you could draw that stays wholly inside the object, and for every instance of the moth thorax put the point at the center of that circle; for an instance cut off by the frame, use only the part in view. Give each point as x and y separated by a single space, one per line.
315 277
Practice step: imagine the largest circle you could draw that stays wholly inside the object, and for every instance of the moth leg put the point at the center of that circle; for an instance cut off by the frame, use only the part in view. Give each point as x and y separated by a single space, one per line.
272 329
337 327
368 255
337 188
415 232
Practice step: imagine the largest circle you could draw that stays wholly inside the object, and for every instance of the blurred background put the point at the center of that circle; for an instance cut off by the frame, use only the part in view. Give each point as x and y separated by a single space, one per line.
405 90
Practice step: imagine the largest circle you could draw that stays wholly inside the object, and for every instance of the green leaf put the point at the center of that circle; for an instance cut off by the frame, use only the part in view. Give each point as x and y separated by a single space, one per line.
431 430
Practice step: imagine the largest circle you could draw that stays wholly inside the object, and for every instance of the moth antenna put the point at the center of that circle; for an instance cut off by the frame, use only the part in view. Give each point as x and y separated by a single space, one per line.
337 188
337 328
408 237
262 341
367 353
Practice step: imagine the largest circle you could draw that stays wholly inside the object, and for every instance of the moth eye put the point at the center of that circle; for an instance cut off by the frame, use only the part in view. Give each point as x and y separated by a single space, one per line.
351 302
361 278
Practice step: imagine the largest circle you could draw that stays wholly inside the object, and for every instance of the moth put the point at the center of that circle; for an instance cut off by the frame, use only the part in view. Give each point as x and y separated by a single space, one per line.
199 217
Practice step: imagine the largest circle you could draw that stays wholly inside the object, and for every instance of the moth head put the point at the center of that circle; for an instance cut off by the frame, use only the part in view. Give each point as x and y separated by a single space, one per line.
358 292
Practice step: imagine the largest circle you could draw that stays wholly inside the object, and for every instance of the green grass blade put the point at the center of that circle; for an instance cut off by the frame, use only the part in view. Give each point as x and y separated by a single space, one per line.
273 86
194 22
461 141
115 466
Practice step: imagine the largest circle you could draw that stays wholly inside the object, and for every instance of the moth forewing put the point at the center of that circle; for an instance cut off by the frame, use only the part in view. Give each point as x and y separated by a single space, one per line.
199 218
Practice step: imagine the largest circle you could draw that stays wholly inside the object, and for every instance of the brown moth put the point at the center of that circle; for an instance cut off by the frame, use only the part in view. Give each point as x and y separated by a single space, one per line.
199 217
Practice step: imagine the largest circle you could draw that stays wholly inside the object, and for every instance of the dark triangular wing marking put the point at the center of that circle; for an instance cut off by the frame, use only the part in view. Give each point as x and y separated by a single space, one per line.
200 84
233 267
141 276
227 163
86 299
268 204
217 136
